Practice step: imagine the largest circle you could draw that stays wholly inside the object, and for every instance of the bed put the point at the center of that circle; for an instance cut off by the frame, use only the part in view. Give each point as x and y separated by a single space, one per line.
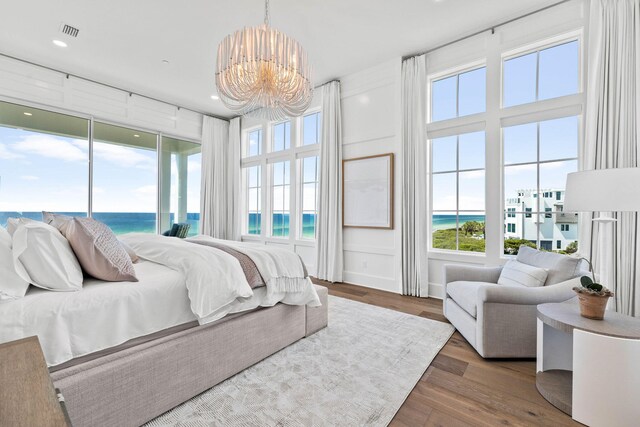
123 353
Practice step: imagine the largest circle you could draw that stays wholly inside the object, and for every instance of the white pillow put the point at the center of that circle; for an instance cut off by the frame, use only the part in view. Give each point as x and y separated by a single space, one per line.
515 273
12 285
46 256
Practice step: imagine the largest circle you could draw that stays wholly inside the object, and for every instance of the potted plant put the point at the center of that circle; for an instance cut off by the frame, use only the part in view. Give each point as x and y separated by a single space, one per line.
593 298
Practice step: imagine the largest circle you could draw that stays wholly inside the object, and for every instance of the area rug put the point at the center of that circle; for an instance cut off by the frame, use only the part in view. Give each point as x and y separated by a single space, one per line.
356 372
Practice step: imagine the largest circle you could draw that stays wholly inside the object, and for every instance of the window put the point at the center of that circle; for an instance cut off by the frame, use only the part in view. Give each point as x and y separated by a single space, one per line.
558 244
280 201
458 95
457 183
288 165
43 163
309 197
537 158
511 212
311 129
253 144
564 227
543 74
46 159
281 136
253 194
180 170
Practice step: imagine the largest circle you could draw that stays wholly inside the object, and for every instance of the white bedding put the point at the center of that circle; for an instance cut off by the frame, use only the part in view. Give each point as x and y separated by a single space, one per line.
106 314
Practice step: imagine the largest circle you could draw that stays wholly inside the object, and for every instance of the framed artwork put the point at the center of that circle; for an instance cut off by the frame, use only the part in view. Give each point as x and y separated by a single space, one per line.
367 192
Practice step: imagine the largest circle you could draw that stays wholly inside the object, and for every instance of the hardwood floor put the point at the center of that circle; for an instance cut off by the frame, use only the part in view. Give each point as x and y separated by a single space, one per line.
460 388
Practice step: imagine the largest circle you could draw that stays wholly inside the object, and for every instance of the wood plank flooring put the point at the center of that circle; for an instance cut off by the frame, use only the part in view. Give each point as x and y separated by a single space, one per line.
460 388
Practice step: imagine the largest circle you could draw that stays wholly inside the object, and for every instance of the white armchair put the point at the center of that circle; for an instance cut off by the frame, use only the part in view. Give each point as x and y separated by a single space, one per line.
499 320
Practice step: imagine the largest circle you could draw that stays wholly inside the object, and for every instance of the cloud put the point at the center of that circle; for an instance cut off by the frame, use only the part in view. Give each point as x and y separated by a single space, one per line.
5 154
123 156
29 178
52 147
145 190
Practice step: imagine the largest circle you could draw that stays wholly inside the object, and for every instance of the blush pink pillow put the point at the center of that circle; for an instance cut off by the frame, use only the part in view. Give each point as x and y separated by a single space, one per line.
100 253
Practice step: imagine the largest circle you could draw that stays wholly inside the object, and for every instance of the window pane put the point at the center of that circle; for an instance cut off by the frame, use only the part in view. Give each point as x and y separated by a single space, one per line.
309 225
520 143
471 195
520 230
444 154
558 71
471 150
278 137
471 232
309 169
309 197
443 99
43 163
254 200
519 80
444 191
444 230
278 173
472 88
255 143
559 138
520 183
553 176
125 178
311 129
180 201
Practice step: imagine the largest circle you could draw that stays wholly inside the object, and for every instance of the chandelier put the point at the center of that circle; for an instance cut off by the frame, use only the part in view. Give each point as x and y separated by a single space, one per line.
262 72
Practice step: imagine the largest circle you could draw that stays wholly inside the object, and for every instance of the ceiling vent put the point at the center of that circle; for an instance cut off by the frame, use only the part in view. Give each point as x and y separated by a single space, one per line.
69 30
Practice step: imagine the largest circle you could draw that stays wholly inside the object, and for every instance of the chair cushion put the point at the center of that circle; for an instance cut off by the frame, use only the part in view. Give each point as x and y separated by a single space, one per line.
465 294
559 267
518 273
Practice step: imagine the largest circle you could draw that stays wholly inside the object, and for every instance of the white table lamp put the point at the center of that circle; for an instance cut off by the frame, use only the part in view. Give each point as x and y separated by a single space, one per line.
603 190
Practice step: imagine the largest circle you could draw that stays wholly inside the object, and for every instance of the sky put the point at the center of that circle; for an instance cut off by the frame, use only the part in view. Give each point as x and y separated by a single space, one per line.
47 172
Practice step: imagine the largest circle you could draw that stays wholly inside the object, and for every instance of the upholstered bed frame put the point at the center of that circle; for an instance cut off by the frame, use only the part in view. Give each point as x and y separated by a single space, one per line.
135 385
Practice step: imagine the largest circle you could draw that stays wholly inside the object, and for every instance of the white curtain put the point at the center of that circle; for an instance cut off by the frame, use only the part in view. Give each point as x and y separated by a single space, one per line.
415 277
214 197
611 141
234 216
329 233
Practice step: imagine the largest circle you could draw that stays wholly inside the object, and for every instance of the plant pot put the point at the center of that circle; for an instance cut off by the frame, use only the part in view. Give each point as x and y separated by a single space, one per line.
592 306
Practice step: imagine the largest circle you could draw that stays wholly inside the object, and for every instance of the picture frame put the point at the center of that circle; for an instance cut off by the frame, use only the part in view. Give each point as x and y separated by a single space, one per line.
368 192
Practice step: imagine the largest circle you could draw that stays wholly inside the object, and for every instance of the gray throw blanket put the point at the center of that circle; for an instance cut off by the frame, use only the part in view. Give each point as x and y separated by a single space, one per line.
248 266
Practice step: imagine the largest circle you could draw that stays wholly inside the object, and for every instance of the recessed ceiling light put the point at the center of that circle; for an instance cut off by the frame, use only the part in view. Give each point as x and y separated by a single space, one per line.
215 97
59 43
135 135
27 114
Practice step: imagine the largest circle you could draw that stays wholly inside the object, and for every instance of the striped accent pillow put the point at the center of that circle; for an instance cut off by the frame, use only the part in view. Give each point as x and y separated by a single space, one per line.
515 273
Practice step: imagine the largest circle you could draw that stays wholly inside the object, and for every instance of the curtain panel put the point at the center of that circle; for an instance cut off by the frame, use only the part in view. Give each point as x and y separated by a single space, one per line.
329 261
415 208
215 197
612 128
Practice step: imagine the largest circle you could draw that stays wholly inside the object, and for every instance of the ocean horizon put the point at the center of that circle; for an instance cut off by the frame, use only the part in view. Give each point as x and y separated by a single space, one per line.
119 222
446 222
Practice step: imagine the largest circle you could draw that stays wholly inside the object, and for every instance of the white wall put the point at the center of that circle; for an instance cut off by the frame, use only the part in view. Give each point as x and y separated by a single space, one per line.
371 125
25 83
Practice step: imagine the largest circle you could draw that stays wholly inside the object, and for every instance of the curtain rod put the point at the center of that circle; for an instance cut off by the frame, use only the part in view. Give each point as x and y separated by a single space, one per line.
130 92
492 29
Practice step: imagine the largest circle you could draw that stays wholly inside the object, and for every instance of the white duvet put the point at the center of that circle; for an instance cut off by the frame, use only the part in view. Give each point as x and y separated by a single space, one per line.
179 282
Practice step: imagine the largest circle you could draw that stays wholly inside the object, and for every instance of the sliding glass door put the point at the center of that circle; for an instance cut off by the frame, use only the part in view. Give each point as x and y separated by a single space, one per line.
125 178
44 163
180 183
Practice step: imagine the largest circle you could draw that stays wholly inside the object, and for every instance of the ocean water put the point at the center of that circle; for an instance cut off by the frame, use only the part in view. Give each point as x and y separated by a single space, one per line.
444 222
280 225
119 222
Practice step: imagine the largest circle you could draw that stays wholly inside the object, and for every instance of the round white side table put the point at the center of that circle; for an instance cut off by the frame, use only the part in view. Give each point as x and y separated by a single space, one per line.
589 369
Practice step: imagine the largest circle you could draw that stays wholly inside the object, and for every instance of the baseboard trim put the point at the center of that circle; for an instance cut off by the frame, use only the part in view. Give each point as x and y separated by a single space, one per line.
436 290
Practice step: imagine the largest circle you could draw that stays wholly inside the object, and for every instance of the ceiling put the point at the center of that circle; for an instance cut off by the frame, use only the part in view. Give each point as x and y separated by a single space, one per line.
124 42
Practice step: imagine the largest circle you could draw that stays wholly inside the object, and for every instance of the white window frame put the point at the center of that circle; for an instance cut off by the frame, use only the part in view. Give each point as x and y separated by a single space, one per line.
267 157
493 120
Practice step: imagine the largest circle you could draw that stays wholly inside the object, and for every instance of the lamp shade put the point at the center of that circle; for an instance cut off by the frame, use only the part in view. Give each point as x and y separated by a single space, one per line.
603 190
